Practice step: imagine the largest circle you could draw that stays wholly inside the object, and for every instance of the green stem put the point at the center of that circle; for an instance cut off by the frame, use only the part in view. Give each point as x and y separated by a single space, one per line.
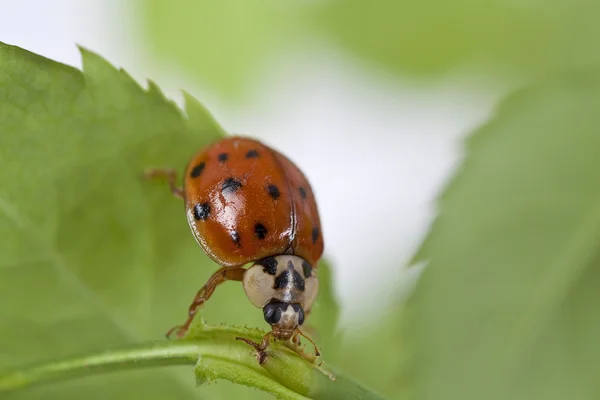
181 352
232 359
215 354
149 355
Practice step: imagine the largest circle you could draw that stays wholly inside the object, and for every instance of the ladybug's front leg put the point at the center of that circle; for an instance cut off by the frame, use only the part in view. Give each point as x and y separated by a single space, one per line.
222 275
261 354
308 328
300 333
165 173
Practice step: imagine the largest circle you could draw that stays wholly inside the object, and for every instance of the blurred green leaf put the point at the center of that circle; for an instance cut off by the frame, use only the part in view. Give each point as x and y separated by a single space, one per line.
223 43
437 36
322 325
507 307
92 256
227 44
377 353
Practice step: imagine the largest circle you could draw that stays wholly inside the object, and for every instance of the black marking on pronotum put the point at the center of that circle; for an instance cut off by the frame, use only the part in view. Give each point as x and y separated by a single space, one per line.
223 157
236 238
307 269
273 191
252 154
201 211
230 185
197 170
260 231
282 280
302 192
298 281
269 265
315 234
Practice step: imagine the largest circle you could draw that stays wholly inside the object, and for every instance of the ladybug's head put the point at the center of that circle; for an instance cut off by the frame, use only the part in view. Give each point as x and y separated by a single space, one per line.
284 318
285 287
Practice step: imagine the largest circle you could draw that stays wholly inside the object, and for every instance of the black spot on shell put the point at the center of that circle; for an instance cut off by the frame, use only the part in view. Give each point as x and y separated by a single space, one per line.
307 269
236 238
201 211
223 157
252 154
197 170
315 234
231 185
260 231
298 281
269 265
273 191
302 192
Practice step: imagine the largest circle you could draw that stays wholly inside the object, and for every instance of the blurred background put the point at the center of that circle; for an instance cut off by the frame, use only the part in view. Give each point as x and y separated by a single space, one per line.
376 142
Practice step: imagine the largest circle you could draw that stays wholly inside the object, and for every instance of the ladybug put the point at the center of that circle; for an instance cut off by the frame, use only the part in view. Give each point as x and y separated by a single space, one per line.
247 203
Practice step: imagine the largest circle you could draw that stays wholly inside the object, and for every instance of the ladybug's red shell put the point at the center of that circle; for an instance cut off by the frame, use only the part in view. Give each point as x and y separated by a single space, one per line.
245 201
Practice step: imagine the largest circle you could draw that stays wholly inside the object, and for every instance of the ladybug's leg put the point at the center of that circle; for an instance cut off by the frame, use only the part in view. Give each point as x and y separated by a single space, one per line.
261 354
296 339
317 352
295 346
222 275
307 327
165 173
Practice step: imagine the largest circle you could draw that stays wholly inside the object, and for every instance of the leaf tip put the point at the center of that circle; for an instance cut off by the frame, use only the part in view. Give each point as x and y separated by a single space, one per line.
199 116
88 56
192 104
153 88
157 93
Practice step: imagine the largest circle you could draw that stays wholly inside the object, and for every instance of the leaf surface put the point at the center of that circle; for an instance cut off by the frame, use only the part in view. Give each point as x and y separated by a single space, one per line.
506 308
92 256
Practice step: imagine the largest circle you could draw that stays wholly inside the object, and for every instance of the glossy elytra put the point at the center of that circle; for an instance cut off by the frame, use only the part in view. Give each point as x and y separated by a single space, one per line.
247 203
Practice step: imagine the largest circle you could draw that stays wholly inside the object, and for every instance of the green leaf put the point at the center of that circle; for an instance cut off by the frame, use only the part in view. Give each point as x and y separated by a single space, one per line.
216 355
507 307
93 256
228 44
322 324
437 36
223 43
